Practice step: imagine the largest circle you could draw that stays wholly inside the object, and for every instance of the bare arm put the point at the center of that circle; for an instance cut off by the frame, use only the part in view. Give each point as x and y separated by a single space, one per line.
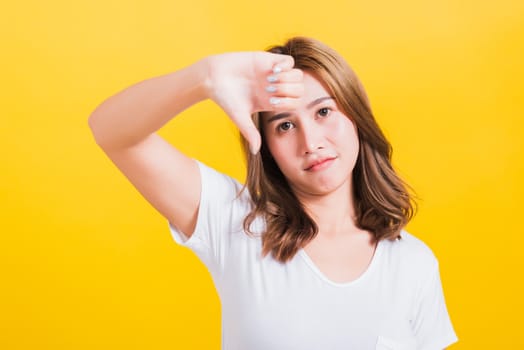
128 117
125 124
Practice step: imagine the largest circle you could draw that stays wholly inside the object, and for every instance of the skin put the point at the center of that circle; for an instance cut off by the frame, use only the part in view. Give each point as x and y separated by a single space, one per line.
316 147
125 127
312 133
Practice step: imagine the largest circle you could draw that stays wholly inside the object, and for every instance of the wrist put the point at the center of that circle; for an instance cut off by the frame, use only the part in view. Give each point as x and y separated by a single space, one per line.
202 71
190 84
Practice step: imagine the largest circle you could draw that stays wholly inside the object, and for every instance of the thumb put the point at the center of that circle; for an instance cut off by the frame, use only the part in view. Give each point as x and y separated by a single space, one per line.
247 128
252 135
282 63
275 62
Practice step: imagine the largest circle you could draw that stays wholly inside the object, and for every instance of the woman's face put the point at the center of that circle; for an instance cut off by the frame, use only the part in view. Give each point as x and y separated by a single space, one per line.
316 145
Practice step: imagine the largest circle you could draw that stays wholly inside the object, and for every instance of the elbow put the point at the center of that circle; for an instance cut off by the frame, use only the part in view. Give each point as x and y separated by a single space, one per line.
106 133
94 124
91 123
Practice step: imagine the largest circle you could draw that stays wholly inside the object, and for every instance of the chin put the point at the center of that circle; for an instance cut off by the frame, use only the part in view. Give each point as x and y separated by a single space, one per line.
322 189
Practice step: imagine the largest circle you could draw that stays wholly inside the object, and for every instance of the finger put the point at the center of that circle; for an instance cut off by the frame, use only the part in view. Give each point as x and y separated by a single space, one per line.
272 63
294 75
275 103
248 130
282 63
286 90
291 76
252 135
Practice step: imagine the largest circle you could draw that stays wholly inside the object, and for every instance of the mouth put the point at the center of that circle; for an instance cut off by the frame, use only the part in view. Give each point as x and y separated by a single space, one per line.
320 164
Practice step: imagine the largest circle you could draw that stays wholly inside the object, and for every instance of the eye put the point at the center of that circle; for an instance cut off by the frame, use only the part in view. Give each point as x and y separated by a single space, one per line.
285 126
324 112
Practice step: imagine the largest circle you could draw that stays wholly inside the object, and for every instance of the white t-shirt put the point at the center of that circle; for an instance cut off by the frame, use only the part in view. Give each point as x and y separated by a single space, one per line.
397 303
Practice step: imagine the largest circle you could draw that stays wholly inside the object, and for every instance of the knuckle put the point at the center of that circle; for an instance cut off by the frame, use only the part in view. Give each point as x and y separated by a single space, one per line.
291 103
298 73
291 61
300 89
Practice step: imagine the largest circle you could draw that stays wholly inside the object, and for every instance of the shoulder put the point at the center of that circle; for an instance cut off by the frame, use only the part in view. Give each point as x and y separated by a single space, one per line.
414 247
410 253
212 177
221 187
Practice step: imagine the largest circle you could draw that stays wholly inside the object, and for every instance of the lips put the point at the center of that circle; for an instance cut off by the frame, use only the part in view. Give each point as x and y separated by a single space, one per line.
318 164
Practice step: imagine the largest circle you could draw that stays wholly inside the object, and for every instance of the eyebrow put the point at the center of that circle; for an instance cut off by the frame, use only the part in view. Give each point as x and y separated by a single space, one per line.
309 106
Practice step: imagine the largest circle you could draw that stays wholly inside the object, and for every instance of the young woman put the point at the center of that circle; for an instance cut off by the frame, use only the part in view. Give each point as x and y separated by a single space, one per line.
311 252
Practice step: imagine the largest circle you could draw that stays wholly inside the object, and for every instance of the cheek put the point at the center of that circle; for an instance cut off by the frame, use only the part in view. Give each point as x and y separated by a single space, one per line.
281 151
278 150
274 147
345 132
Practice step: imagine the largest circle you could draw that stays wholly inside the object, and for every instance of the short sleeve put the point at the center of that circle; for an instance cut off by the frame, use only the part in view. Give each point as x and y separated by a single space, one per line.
432 325
221 213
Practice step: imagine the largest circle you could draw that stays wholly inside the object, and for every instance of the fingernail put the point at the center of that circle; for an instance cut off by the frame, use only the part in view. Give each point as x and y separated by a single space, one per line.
277 70
272 79
252 150
274 100
271 88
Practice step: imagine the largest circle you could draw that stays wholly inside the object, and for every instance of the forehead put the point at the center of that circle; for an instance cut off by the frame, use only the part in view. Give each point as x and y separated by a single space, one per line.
313 90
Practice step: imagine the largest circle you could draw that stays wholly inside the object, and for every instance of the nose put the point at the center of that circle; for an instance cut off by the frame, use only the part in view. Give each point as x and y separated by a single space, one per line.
310 138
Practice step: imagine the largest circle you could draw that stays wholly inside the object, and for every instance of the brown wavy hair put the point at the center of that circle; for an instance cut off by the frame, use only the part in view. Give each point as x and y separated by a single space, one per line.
383 204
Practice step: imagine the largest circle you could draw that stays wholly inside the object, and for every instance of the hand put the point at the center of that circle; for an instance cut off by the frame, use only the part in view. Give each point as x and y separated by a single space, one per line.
243 83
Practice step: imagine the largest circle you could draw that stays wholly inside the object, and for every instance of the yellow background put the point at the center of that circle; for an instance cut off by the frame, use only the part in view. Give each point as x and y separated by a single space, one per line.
86 263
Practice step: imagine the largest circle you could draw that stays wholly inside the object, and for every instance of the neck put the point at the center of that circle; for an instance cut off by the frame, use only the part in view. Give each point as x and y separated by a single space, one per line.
334 213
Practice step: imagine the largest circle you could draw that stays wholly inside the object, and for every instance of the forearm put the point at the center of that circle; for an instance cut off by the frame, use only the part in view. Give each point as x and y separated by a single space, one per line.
138 111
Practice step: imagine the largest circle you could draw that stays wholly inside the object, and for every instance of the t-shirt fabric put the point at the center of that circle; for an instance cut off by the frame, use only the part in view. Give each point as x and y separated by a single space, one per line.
396 304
